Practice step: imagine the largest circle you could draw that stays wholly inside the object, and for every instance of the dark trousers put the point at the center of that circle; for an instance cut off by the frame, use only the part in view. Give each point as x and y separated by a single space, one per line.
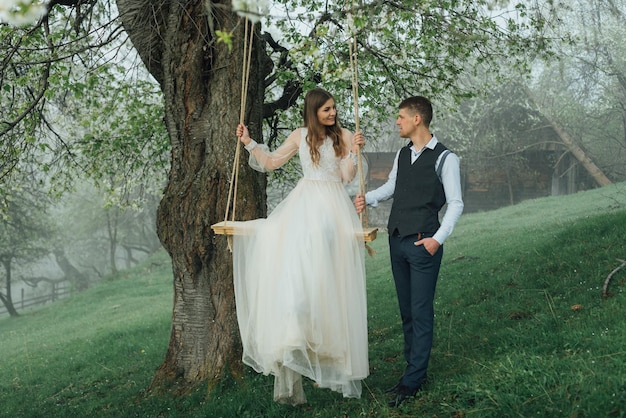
415 274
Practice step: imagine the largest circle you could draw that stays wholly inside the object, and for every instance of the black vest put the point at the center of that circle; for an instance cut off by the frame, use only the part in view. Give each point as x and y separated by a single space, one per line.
418 195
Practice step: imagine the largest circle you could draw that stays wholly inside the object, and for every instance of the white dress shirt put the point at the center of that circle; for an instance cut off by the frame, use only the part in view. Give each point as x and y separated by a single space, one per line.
450 178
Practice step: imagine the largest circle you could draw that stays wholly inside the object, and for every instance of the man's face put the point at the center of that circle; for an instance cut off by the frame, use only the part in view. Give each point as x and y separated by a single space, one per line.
407 122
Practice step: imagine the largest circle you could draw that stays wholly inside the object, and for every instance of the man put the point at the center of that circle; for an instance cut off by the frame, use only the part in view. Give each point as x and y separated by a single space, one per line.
424 177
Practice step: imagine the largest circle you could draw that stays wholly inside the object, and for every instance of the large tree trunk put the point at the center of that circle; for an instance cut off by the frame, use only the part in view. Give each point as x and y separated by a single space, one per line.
201 83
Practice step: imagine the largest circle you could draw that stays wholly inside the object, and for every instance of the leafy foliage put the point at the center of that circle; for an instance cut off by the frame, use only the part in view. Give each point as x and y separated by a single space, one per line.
72 113
25 231
407 47
77 108
448 51
75 102
25 225
121 142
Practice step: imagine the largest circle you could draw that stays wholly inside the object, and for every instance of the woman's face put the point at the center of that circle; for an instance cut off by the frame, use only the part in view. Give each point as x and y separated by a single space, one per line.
327 113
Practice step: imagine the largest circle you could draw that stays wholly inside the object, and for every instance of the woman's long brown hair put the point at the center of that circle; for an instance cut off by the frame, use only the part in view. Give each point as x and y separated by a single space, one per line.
316 132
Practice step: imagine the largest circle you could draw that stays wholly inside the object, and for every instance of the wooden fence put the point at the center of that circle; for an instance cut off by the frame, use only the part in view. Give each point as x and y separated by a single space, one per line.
59 291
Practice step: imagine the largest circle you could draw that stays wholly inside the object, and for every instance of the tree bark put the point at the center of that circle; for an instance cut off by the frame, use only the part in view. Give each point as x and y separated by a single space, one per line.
201 84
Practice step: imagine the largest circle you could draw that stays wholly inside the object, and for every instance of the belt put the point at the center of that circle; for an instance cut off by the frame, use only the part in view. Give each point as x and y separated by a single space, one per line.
420 235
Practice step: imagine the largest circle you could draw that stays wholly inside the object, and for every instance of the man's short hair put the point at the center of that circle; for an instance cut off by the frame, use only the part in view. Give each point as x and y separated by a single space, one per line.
420 105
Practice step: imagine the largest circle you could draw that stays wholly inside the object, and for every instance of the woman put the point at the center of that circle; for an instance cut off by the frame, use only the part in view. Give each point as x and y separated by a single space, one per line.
299 274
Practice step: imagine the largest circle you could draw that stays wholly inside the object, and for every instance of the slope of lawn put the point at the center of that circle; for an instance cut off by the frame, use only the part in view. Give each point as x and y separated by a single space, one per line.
522 330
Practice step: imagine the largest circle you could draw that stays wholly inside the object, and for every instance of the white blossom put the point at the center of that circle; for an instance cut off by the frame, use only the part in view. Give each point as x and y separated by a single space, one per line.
22 12
252 9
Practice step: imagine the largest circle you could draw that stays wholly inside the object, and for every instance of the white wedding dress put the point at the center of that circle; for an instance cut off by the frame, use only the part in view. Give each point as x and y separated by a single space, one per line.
299 280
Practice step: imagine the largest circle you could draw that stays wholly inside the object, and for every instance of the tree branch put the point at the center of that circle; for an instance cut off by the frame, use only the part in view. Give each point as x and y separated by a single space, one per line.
34 281
291 90
605 288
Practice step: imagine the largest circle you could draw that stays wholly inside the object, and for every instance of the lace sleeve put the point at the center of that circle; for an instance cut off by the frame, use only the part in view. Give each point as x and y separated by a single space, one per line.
263 160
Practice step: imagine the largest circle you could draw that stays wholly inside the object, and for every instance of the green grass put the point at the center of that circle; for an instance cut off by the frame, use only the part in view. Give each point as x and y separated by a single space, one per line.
507 341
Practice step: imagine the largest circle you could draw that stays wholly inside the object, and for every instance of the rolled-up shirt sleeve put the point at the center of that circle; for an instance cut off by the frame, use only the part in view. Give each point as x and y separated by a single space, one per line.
385 191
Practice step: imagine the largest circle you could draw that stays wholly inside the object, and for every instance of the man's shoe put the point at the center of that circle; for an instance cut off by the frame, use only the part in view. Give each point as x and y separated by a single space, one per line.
394 389
402 393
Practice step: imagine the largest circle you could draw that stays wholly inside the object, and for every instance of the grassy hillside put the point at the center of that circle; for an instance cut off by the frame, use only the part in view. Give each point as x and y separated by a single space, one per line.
521 331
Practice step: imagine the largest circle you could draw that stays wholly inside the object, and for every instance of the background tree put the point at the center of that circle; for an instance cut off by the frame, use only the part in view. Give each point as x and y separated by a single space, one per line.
492 132
585 91
95 226
506 139
99 120
121 144
24 229
574 103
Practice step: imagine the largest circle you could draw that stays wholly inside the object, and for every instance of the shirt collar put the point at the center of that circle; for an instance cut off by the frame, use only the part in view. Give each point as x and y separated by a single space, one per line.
430 145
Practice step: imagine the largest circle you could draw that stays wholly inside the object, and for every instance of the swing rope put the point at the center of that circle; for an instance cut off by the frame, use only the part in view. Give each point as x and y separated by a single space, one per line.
245 77
355 98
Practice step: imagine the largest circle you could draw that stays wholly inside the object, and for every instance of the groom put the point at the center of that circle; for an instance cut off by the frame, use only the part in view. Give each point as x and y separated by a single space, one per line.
425 176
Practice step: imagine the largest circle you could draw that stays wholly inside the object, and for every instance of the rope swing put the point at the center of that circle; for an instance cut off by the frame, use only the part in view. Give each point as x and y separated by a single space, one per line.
369 234
229 227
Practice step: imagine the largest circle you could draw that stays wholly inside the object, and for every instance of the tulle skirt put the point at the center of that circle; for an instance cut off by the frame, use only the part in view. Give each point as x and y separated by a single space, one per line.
300 292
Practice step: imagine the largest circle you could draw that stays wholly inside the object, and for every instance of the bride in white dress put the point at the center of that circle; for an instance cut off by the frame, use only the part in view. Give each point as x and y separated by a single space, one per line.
299 273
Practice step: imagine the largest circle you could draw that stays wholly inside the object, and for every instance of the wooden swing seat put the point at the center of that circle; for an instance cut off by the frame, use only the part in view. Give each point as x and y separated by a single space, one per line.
229 228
